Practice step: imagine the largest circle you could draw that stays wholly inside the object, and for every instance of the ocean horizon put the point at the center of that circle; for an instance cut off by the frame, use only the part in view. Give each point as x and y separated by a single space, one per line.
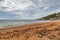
19 22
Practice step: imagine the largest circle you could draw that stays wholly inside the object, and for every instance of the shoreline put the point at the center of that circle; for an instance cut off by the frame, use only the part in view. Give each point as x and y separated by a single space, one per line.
22 23
19 25
36 31
16 26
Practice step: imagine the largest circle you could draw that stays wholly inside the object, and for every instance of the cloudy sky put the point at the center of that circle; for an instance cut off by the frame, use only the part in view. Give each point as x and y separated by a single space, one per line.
27 9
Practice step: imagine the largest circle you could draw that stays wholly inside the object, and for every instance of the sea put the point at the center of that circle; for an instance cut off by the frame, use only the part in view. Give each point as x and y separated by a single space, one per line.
4 23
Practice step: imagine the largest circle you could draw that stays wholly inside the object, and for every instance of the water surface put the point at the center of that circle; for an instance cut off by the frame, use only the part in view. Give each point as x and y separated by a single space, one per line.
19 22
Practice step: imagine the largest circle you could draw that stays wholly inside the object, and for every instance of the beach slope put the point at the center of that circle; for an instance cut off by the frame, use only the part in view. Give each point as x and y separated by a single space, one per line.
36 31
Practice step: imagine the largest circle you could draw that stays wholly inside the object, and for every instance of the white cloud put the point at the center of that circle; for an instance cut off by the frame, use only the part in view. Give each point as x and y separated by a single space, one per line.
11 5
30 9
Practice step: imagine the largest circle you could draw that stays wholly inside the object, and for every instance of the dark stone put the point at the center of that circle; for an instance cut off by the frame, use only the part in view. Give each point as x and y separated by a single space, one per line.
27 35
51 36
40 36
59 33
16 31
43 32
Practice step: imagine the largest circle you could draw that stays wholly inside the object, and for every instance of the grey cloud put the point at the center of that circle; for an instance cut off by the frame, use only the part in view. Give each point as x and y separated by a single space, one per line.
1 0
2 7
36 10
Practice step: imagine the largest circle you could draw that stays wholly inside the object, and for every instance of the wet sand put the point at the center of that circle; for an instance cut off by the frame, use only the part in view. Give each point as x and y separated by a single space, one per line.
36 31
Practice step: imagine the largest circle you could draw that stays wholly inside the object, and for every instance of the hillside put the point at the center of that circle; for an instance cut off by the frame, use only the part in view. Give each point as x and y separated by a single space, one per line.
54 16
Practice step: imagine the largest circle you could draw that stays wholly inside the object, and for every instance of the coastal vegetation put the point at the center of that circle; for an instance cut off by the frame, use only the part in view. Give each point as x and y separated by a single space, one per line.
53 16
